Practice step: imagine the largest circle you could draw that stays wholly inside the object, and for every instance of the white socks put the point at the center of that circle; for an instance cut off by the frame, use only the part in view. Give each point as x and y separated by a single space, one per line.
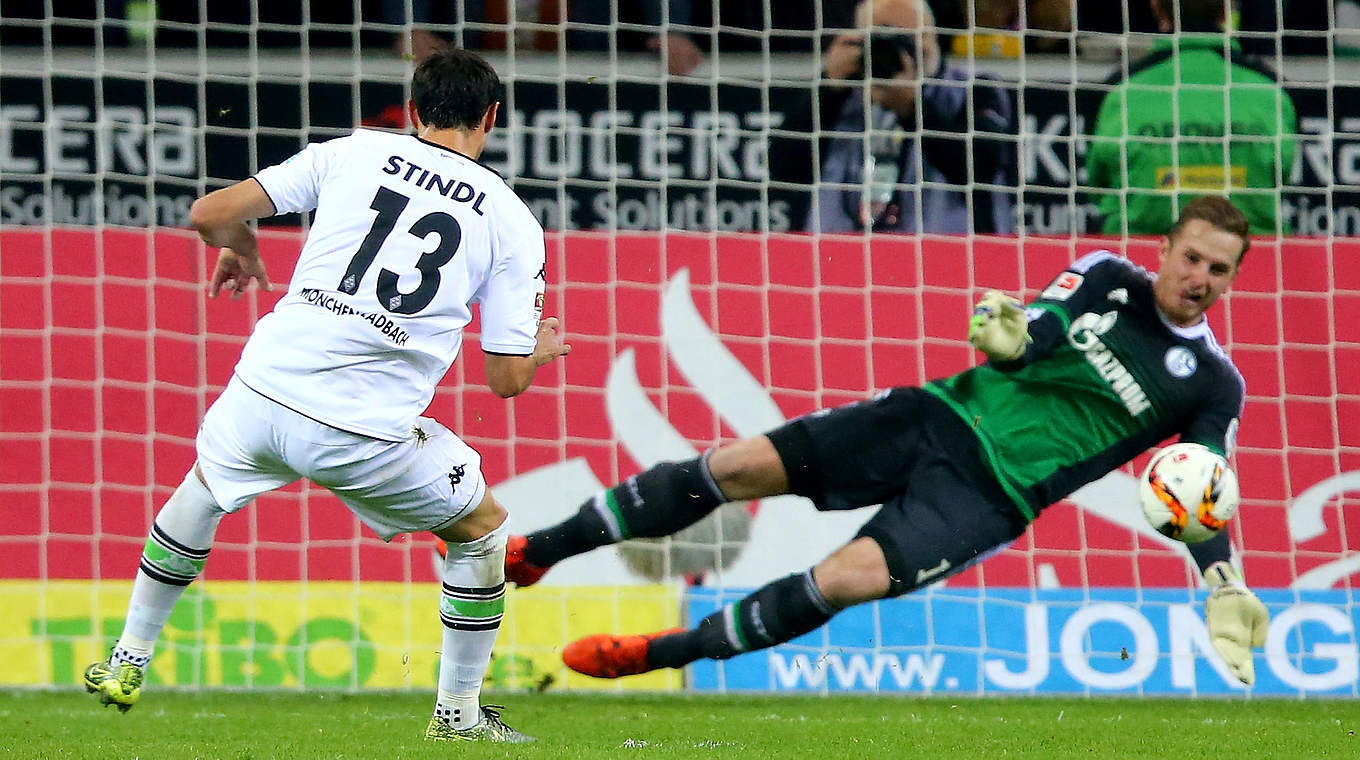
171 560
470 606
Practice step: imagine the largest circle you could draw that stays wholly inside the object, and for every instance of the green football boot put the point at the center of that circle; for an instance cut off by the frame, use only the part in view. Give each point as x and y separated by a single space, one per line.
119 684
490 729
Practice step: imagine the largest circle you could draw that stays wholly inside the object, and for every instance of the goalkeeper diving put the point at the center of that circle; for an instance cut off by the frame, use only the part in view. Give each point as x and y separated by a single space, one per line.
1108 361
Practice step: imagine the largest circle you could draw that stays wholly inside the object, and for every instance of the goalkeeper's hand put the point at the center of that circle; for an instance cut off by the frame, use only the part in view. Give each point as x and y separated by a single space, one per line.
998 327
1237 620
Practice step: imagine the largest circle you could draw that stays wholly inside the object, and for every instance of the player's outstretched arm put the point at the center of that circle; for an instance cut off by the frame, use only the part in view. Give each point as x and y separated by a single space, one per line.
998 327
508 376
1237 620
220 218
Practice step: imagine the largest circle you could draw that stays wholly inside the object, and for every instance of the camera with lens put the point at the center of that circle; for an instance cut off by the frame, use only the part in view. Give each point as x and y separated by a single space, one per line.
883 52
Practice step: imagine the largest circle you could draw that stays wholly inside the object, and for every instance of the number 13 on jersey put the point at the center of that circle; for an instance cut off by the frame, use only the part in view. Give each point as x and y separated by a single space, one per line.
389 204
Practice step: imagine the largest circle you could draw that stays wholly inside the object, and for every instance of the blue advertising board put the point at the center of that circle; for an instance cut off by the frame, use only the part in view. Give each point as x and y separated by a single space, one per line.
1067 641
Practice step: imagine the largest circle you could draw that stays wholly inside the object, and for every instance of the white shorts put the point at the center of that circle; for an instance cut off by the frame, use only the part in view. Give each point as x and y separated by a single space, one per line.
249 444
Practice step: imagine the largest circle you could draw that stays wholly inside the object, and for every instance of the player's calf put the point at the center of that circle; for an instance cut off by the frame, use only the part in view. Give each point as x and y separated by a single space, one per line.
773 614
471 606
654 503
171 560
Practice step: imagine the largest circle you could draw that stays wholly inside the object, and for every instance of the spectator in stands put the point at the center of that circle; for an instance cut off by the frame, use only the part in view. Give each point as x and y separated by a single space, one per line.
950 18
1194 117
677 49
939 154
1299 26
1028 16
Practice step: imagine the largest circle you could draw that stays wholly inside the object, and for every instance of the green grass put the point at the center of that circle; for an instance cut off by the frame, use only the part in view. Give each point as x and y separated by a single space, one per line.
242 726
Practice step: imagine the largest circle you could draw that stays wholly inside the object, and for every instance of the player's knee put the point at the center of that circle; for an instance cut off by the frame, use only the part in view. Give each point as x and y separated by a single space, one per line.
192 500
489 547
486 517
748 469
854 574
182 534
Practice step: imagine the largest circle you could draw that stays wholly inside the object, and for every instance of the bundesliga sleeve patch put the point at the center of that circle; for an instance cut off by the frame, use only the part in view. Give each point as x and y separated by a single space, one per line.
1062 288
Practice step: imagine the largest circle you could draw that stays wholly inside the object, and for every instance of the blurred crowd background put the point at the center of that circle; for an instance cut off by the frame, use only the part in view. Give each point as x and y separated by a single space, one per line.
935 116
1291 27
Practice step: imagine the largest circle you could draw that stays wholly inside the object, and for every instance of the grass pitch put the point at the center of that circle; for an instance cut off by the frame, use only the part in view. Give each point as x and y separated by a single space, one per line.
242 726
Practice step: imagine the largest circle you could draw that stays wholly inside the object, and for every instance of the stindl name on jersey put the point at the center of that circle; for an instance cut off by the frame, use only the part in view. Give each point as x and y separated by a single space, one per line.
454 189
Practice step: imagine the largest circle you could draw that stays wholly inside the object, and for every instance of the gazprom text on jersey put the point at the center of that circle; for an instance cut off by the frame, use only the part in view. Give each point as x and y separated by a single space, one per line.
336 306
1084 336
454 190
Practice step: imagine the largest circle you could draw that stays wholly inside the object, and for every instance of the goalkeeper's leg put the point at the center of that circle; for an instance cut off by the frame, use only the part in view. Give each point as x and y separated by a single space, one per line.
844 458
658 502
174 555
775 613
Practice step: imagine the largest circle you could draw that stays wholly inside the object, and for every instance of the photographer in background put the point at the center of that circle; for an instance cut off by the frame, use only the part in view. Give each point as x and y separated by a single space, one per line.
903 142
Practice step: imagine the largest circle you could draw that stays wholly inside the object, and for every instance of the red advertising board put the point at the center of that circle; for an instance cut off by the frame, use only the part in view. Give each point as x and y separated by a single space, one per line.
110 352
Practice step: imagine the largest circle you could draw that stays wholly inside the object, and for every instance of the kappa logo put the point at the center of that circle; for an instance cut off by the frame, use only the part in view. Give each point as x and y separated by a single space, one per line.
456 474
179 565
1120 295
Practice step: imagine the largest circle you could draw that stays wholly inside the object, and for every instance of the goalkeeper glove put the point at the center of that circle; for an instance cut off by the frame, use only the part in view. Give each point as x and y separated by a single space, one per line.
1237 619
998 327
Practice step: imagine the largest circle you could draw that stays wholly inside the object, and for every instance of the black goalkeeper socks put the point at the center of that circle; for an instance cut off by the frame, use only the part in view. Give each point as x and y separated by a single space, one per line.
775 613
651 504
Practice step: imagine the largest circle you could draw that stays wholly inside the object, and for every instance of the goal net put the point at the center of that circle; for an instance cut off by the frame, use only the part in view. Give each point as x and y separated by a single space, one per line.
708 255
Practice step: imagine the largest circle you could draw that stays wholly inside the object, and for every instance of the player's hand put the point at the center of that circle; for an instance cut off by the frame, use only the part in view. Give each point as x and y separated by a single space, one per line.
1237 620
550 344
900 93
998 327
234 272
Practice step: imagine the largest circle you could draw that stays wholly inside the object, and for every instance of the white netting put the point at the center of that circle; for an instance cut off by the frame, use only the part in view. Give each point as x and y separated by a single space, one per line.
695 318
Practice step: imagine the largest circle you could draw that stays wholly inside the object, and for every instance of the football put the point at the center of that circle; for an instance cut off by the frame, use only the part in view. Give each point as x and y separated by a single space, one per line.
1188 492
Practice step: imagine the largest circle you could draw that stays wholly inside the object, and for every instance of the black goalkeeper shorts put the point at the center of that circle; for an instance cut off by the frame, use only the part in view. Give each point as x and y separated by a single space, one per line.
943 510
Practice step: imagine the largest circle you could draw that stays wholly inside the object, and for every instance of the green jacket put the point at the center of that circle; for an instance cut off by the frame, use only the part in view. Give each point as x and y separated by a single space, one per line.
1178 103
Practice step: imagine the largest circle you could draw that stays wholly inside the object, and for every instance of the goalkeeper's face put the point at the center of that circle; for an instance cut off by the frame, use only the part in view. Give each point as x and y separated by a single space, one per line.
1197 266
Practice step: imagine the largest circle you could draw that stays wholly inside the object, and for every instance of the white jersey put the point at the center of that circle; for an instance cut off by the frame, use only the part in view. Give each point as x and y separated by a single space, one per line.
406 236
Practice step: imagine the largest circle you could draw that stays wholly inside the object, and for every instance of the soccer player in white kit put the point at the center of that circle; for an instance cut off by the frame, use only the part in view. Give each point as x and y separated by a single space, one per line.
408 231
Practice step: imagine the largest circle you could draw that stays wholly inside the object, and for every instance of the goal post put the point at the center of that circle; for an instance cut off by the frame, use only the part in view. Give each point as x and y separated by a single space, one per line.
699 310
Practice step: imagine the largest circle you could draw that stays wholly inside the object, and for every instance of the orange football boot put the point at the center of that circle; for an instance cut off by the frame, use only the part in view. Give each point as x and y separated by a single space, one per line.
605 655
518 570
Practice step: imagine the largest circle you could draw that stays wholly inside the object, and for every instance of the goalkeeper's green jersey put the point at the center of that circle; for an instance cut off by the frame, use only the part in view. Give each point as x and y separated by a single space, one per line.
1106 377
